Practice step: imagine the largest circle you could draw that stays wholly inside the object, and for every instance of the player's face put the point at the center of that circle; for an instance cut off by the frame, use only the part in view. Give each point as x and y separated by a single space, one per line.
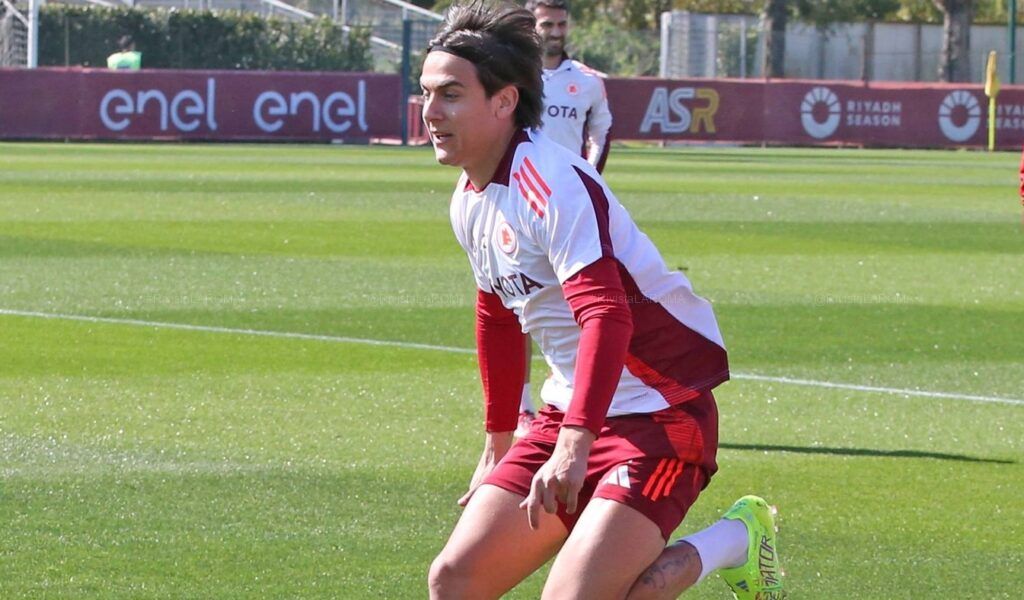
552 27
462 121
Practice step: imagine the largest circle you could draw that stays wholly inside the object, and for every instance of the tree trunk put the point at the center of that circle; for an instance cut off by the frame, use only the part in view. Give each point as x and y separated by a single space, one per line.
867 59
955 63
776 14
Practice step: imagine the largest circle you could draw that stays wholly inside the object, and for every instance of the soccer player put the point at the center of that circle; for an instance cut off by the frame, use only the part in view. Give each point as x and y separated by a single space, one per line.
126 57
1022 189
576 113
629 434
574 102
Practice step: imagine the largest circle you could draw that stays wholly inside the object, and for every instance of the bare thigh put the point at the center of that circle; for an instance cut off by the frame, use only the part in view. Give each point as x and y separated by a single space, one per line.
492 547
609 548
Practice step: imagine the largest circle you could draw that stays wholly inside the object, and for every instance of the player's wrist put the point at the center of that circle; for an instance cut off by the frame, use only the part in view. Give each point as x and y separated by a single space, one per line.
576 439
497 443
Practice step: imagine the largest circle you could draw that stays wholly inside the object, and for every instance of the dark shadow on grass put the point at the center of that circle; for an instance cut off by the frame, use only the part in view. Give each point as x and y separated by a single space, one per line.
864 452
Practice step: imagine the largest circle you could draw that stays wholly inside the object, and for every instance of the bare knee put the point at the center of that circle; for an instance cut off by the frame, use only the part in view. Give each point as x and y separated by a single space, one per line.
450 578
442 578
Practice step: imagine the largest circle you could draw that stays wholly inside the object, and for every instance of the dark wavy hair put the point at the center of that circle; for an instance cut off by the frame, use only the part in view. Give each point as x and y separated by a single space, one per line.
532 5
501 43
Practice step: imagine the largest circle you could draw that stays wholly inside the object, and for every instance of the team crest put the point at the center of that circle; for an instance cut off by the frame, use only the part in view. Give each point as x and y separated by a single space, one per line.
505 238
572 89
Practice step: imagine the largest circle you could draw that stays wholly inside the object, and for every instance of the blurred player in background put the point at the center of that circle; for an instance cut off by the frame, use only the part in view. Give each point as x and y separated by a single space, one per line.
126 57
1022 190
576 115
629 435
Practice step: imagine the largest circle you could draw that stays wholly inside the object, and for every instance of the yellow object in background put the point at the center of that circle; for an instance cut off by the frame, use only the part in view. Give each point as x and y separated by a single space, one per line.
991 76
991 90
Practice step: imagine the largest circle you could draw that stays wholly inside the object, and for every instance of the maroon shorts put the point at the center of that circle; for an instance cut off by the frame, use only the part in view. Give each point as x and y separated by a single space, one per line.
655 463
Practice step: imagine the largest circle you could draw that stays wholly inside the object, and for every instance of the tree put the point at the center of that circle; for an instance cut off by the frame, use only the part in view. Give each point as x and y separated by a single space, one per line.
955 63
823 13
603 44
776 15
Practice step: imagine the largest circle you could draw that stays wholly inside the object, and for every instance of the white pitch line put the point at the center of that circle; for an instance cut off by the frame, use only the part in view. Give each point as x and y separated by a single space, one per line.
873 388
231 330
452 349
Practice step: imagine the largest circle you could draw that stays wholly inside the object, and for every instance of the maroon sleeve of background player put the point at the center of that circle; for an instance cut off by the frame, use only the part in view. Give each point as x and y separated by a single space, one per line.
604 149
599 305
501 352
604 153
1022 178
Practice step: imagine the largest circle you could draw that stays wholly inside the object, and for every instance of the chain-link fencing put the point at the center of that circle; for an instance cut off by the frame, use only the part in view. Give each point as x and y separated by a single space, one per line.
709 45
13 35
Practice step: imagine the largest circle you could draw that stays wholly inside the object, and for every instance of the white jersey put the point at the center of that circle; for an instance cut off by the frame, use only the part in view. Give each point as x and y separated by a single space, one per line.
574 96
546 215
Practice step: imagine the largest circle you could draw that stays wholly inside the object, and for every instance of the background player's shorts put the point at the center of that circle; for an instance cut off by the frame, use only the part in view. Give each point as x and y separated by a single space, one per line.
656 463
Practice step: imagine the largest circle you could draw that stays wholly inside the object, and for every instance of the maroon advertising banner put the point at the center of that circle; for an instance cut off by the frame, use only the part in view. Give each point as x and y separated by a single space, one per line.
814 112
199 105
694 109
245 105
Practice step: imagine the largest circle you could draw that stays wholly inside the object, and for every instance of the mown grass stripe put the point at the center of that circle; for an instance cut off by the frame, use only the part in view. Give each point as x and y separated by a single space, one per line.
420 346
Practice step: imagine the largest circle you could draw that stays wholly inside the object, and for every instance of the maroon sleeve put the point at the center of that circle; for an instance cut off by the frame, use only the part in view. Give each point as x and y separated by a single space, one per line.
604 152
598 303
1022 179
501 352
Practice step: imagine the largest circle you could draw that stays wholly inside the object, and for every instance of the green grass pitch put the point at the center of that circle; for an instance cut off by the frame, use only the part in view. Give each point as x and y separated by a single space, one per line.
141 461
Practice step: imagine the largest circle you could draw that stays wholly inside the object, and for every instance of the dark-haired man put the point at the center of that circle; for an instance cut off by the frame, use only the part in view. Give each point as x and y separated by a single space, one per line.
576 113
629 434
576 116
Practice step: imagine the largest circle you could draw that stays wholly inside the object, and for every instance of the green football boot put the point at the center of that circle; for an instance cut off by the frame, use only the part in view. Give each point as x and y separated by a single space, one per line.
760 578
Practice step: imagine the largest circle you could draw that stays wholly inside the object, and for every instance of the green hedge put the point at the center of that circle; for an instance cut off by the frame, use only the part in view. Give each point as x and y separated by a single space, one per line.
193 39
603 44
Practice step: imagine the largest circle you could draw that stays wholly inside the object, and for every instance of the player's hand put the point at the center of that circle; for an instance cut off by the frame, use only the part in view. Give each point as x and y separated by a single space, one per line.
561 478
495 447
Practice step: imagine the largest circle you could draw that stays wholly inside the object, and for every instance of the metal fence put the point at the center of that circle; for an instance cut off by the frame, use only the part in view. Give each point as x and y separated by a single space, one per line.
13 36
699 45
384 18
708 45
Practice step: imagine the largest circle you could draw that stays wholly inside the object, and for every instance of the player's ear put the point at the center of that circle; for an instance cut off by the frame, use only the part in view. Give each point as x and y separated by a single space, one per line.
505 101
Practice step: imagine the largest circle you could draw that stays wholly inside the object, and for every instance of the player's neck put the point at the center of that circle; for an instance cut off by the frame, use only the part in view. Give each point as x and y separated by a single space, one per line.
552 62
481 172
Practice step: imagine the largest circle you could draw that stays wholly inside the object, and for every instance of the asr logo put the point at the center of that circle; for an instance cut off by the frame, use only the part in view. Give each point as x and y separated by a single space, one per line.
669 113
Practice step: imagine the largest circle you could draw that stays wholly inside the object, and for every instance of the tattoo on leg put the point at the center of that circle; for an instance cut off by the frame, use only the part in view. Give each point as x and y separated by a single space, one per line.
676 562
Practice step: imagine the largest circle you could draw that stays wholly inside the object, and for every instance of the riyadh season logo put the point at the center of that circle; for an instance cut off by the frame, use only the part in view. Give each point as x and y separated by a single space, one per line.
964 103
825 98
821 112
